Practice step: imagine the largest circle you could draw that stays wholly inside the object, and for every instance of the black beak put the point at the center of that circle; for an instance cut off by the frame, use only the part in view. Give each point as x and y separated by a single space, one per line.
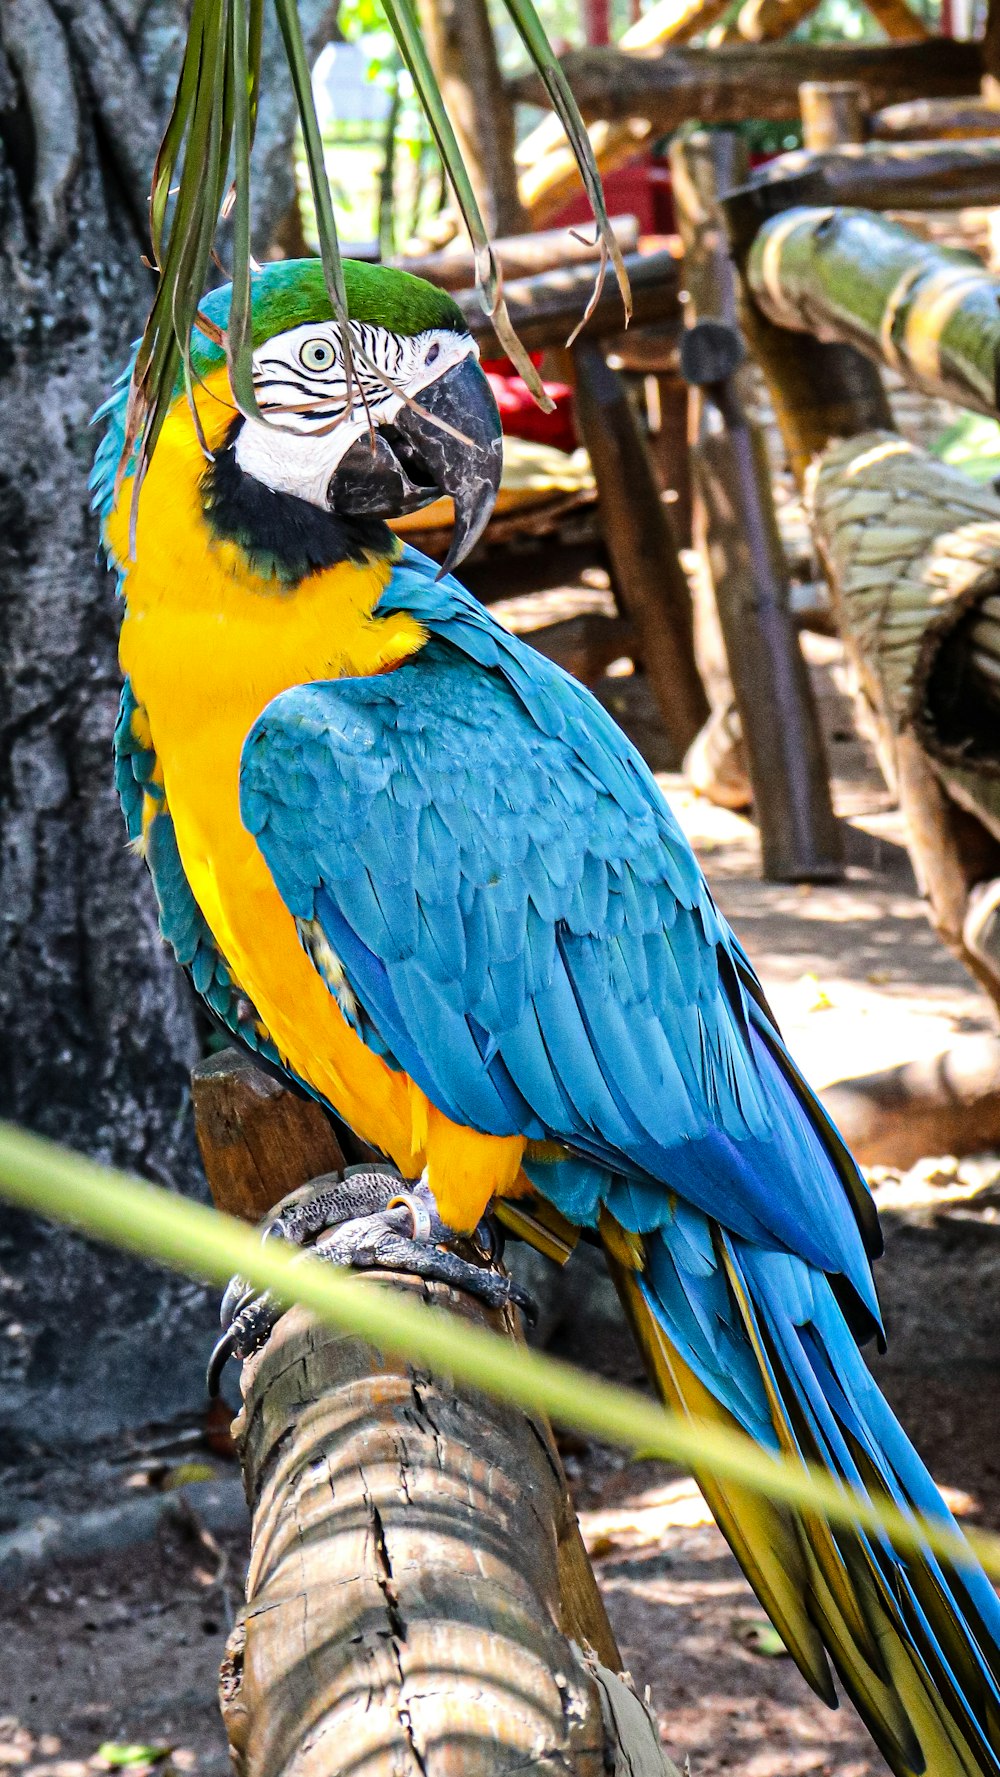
414 460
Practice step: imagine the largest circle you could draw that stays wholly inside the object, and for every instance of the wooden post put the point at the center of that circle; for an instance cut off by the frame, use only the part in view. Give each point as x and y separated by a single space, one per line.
702 165
640 542
419 1599
800 840
832 111
737 529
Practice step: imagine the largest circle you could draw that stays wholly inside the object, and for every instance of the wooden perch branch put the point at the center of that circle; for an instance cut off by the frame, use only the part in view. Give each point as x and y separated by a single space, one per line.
890 176
852 277
911 548
419 1602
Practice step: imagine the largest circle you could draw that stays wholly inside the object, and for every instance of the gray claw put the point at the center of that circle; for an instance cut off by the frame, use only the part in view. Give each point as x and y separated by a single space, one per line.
369 1220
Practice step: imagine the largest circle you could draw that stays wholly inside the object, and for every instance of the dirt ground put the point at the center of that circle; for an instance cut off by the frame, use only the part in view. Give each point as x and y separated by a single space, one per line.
124 1648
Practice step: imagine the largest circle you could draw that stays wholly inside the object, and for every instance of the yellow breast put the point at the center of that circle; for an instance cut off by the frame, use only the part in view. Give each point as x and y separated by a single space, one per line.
207 644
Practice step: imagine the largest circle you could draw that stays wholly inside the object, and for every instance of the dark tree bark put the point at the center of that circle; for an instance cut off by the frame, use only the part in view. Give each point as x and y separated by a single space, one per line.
98 1027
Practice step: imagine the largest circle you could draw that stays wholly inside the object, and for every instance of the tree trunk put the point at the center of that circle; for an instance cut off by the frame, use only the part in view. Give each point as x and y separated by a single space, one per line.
419 1599
464 56
99 1028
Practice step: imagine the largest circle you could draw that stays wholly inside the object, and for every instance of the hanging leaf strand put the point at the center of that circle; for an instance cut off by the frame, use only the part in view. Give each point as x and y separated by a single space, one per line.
203 172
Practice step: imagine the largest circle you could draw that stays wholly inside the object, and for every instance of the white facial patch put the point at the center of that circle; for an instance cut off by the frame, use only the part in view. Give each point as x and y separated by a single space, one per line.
301 388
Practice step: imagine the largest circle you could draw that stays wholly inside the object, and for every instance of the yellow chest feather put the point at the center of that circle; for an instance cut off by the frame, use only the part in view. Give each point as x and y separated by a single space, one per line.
207 645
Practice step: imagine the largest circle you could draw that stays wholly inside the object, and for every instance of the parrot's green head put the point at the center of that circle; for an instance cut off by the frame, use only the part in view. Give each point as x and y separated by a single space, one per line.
418 420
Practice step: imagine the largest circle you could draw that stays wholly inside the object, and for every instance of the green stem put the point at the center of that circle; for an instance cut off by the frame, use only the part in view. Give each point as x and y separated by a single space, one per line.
127 1212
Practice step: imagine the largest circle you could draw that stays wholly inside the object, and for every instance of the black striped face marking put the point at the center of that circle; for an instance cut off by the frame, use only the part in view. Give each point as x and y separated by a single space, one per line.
312 413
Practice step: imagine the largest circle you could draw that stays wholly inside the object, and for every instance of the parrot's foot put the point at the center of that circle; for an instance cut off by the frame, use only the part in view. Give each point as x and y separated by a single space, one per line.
371 1221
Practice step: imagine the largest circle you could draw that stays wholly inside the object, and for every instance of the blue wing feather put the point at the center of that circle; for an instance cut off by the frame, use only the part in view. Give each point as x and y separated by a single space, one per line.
525 925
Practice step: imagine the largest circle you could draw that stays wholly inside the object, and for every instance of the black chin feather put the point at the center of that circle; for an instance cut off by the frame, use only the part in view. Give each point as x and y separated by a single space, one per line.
284 538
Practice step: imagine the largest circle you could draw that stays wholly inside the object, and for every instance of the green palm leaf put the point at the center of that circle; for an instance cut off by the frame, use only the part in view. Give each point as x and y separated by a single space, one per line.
208 141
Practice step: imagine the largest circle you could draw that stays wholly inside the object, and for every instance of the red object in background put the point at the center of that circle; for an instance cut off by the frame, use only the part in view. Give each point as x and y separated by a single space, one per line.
520 414
597 22
642 188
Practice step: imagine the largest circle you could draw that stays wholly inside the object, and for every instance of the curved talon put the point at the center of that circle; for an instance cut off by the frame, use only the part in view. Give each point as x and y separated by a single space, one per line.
222 1351
366 1221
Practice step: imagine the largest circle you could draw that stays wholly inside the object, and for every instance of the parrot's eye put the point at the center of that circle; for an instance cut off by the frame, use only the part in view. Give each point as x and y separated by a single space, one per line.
317 354
432 352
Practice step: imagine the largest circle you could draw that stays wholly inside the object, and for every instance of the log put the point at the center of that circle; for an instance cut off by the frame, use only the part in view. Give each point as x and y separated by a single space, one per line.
912 551
518 255
418 1597
800 840
927 120
640 542
546 309
938 1104
544 158
404 1605
852 277
629 99
888 176
833 111
736 82
259 1139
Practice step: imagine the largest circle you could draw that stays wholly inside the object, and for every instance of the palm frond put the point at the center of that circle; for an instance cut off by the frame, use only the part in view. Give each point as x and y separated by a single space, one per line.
208 142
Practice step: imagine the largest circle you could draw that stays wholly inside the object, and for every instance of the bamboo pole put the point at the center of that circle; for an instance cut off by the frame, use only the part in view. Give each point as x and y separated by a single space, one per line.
889 176
819 390
851 277
631 98
640 541
418 1600
912 551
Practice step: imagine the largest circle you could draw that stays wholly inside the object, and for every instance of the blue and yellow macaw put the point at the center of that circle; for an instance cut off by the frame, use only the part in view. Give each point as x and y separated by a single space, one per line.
416 866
